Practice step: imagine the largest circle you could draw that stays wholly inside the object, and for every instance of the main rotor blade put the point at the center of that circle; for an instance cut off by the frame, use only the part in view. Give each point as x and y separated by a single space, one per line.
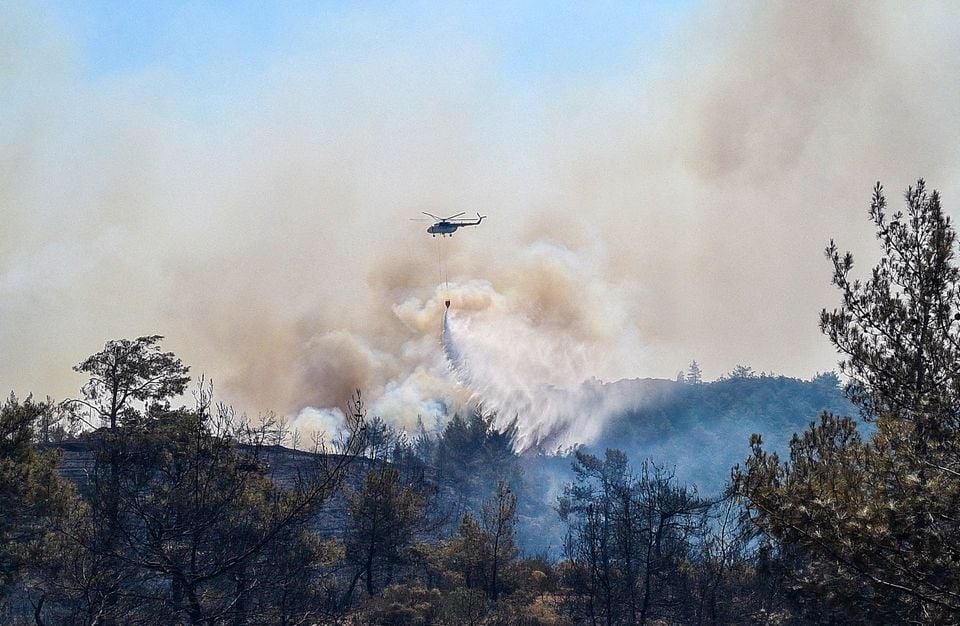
439 219
453 217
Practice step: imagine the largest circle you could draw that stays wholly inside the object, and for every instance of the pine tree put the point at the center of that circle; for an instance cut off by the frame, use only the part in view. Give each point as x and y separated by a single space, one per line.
873 522
32 494
629 536
499 521
178 523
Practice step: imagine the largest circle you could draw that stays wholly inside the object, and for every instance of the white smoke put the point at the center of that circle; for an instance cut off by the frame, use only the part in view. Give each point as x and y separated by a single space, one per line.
540 378
331 424
685 198
530 351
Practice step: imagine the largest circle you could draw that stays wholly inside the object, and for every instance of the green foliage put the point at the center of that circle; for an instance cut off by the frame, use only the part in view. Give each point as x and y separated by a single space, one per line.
465 606
899 330
683 424
474 455
176 522
402 605
189 515
126 371
483 554
629 536
386 511
742 371
872 523
32 494
384 516
183 525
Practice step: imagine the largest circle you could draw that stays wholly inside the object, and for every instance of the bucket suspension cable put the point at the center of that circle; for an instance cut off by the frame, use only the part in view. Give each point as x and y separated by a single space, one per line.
442 268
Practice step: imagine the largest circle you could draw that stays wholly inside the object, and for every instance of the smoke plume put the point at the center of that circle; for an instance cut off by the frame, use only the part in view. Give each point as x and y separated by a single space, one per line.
669 206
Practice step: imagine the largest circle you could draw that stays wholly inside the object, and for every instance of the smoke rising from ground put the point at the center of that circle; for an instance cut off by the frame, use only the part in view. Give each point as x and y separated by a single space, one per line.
670 208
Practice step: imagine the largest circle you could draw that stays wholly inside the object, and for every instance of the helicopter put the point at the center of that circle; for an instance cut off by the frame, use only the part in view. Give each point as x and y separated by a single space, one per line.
446 226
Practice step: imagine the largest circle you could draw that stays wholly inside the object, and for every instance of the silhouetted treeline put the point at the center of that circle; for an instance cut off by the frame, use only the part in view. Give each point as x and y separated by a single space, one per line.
191 515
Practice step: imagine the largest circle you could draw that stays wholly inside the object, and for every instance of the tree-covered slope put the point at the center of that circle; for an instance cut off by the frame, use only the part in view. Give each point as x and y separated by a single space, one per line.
704 429
697 431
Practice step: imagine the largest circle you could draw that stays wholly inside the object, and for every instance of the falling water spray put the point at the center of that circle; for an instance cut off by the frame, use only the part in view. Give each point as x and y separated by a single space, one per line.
506 369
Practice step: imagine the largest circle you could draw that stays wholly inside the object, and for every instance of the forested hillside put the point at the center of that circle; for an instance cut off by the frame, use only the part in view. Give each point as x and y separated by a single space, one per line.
704 428
696 431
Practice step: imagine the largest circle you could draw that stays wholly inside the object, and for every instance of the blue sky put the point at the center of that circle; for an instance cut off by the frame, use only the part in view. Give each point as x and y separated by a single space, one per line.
192 39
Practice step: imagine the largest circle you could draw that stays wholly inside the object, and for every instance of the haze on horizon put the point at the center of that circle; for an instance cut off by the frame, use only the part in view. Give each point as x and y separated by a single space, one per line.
661 183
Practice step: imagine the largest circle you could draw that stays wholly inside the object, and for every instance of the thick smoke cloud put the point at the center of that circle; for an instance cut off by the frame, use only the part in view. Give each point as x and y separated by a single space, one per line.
673 209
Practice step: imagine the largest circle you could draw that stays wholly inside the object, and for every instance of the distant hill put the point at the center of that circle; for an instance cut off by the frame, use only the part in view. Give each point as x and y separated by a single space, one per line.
704 429
699 430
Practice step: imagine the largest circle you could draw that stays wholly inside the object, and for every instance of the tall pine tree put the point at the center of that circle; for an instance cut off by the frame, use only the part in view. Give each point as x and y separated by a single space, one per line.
872 522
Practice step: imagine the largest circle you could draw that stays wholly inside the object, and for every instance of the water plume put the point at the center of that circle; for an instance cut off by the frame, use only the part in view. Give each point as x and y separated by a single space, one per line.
528 378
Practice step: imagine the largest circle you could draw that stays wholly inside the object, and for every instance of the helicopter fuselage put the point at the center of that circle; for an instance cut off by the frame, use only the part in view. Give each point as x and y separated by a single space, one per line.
445 228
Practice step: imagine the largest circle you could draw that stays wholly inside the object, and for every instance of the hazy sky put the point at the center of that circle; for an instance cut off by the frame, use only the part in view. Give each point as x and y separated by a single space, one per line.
661 180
